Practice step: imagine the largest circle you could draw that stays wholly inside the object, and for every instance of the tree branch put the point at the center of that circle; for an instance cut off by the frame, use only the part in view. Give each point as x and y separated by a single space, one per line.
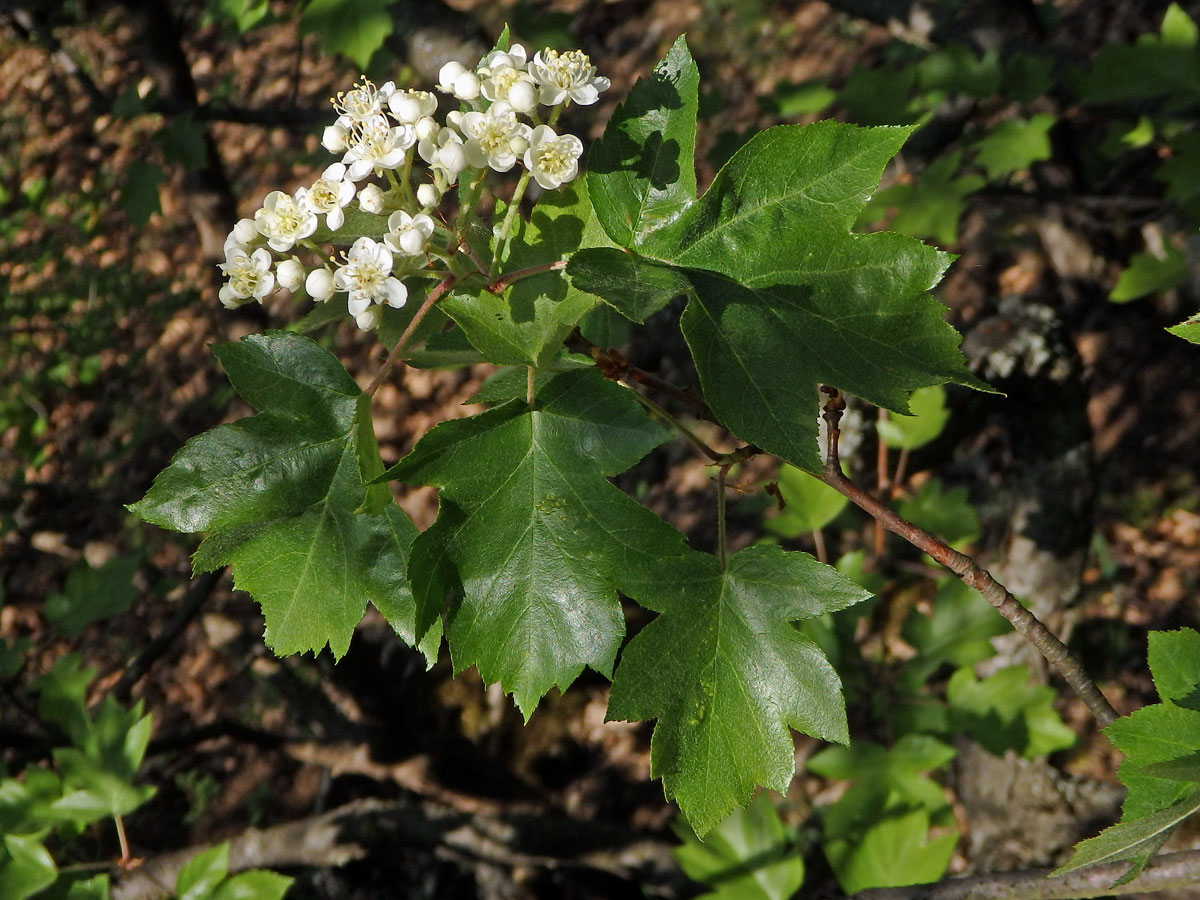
1022 620
1171 871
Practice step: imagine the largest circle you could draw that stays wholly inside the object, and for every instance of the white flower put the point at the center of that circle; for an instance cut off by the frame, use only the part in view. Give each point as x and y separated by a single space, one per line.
367 276
456 79
249 277
370 199
283 220
514 58
495 138
373 145
290 274
411 106
364 103
552 159
334 138
408 235
445 152
568 75
428 196
503 78
329 194
319 284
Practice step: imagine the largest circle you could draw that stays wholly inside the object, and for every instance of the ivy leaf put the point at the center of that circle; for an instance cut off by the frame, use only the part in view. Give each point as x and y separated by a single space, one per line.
641 173
1014 144
528 322
725 672
281 496
531 538
750 855
26 867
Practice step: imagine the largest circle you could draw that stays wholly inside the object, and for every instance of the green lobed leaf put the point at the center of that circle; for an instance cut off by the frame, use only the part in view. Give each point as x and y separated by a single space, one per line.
761 352
531 539
750 855
1135 841
1174 658
281 495
928 417
947 513
200 875
257 884
812 303
528 322
894 851
353 28
27 869
1014 144
1189 330
1006 712
809 504
641 173
875 835
633 286
90 595
139 195
725 672
1150 274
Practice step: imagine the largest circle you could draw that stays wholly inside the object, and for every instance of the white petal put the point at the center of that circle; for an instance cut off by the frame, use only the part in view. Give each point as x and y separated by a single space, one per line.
394 293
335 218
358 303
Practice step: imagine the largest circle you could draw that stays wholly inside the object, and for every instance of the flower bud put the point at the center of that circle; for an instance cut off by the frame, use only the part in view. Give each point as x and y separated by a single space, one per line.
466 86
428 196
333 138
368 319
427 128
319 284
448 74
452 158
245 231
290 274
370 199
522 96
229 299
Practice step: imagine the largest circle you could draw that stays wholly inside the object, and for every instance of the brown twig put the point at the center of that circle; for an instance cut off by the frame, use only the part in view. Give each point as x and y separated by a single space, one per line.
971 574
1171 871
616 367
196 595
501 284
434 296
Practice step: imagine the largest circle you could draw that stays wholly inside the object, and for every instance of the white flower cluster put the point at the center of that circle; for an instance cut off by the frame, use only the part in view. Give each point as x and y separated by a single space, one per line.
508 107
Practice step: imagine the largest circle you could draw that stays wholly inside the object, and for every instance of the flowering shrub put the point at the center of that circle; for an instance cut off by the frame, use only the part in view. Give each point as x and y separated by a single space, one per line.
523 571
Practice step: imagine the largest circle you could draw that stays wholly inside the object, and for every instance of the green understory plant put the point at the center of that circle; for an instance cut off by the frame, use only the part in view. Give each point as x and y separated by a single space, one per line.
522 575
